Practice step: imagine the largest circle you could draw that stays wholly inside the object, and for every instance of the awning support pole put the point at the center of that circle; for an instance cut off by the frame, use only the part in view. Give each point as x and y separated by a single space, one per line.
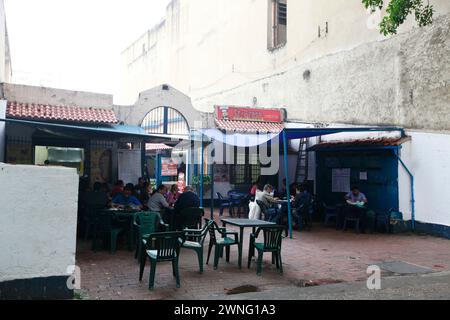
158 169
201 173
288 191
413 201
212 191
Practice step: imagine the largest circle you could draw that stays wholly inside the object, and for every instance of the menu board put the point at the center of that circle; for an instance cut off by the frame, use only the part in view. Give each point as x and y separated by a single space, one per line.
129 162
168 168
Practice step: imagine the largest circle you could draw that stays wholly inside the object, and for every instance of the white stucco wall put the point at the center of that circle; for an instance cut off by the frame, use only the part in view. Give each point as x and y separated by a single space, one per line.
38 220
427 157
215 51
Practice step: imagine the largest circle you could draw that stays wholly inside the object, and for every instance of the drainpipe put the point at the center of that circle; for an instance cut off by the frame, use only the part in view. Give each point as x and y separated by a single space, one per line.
411 179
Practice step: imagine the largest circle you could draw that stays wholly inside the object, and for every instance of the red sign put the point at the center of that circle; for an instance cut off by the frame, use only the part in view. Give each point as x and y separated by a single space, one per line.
168 168
248 114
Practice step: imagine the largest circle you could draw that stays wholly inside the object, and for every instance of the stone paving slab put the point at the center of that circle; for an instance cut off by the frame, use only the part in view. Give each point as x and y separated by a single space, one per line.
401 267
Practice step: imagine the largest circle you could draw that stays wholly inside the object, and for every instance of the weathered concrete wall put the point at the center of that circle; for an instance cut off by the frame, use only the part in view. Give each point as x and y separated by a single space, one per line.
52 96
401 81
216 52
38 221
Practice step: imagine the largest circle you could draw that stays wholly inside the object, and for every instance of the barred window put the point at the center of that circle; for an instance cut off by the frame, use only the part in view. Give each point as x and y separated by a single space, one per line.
246 168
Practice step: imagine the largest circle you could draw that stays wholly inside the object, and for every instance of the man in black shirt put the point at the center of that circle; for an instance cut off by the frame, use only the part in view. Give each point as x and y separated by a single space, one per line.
187 200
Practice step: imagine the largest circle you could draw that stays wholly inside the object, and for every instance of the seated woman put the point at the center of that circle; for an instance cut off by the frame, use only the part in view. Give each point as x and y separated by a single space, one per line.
173 195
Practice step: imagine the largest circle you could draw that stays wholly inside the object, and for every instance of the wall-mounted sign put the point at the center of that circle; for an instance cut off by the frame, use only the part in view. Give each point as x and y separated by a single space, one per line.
249 114
168 168
363 176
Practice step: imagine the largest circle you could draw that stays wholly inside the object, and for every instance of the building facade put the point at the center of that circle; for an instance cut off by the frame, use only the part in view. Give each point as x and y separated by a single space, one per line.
333 67
325 63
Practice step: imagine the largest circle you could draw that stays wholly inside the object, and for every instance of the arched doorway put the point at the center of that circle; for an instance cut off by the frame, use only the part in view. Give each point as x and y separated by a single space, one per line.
170 122
165 120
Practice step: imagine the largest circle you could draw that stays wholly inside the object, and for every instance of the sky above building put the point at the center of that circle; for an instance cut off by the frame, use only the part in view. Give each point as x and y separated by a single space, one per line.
75 44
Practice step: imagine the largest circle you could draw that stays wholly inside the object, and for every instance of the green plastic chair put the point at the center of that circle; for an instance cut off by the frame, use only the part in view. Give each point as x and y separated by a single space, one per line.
145 223
196 240
104 225
220 243
273 236
161 247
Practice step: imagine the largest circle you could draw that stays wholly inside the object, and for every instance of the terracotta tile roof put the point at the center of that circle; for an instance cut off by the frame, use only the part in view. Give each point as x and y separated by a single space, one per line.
30 111
381 142
157 147
249 126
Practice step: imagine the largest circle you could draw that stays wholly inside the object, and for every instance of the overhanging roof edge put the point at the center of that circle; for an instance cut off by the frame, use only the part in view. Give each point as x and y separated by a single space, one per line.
108 129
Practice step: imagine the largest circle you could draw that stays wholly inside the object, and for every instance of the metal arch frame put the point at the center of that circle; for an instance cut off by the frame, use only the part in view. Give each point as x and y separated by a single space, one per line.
165 118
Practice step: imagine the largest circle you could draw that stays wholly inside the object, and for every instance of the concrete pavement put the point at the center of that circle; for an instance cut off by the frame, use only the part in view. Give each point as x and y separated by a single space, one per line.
434 286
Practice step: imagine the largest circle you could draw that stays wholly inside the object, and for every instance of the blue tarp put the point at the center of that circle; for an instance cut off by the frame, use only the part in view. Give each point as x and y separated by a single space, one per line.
253 139
115 130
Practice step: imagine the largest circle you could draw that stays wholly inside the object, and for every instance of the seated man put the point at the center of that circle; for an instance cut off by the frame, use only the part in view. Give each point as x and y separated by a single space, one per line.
301 202
188 199
266 197
157 201
118 188
126 199
96 198
356 206
356 197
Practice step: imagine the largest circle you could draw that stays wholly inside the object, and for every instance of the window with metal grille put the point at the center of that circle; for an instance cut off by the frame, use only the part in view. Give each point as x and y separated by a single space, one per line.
246 168
165 120
282 13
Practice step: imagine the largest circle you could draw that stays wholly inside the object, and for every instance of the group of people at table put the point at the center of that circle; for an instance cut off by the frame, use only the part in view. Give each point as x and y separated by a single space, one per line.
275 202
140 197
276 208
